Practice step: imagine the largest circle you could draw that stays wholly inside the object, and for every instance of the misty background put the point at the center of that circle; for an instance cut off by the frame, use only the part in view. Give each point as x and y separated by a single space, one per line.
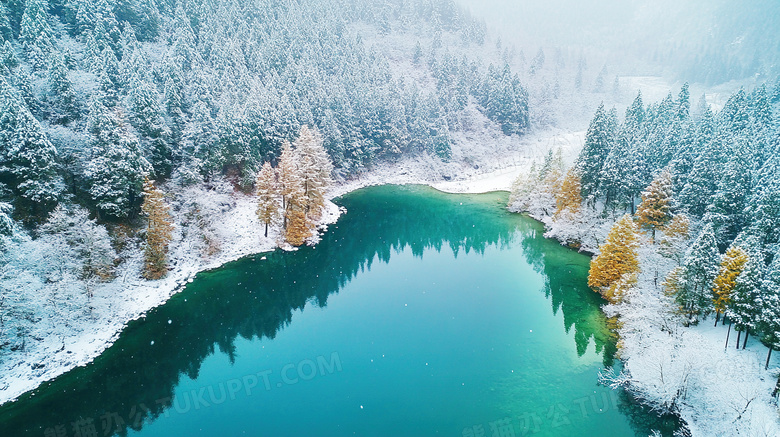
708 42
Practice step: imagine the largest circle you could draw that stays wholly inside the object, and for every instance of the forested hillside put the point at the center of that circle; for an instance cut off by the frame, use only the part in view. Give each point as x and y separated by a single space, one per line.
97 95
691 200
134 134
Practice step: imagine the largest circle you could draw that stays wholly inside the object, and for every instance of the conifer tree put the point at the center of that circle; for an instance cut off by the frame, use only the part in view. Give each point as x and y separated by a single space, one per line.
617 257
769 306
598 143
159 231
6 30
743 307
8 57
290 183
116 169
676 235
731 267
6 222
315 169
699 268
36 35
28 160
569 199
298 225
267 194
764 205
65 105
655 210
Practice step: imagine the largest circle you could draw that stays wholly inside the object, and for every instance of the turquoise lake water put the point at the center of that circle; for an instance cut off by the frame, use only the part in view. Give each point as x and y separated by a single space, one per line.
419 314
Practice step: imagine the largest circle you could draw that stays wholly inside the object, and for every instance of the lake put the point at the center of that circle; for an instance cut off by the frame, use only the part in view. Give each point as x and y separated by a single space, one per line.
419 313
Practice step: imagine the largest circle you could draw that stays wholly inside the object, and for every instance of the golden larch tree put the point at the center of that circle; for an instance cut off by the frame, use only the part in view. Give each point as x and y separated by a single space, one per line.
159 231
267 195
290 184
315 169
732 264
655 210
675 239
569 198
617 257
298 225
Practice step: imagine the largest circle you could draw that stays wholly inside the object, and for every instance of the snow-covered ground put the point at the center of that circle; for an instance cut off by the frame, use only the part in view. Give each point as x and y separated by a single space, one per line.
233 231
717 390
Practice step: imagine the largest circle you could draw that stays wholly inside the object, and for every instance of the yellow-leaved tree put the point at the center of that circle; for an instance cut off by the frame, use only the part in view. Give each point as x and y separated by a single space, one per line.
304 176
298 227
655 210
569 198
159 231
267 194
731 266
617 257
315 169
675 239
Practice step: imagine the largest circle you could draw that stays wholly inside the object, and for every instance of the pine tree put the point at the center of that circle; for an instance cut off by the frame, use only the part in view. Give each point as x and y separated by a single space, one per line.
763 208
290 182
569 199
267 194
699 268
676 235
298 225
8 56
148 118
731 267
743 308
726 210
28 160
64 105
768 305
116 169
655 210
598 143
617 257
6 222
315 169
36 35
6 30
159 231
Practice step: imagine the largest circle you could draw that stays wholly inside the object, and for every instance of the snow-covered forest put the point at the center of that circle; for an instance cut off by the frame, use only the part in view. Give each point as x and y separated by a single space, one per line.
704 248
142 141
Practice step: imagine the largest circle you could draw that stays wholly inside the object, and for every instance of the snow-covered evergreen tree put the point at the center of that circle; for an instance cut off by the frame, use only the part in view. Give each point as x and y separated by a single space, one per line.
36 35
598 143
115 169
699 268
28 160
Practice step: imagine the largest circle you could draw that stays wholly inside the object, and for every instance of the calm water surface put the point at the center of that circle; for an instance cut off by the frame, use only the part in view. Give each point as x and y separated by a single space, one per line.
419 314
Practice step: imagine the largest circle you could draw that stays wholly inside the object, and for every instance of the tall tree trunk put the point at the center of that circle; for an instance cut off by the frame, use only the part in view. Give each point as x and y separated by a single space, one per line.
747 332
727 338
717 317
739 334
266 229
768 356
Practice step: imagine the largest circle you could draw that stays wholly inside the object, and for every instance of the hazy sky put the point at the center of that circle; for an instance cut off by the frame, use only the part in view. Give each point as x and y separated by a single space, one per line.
706 40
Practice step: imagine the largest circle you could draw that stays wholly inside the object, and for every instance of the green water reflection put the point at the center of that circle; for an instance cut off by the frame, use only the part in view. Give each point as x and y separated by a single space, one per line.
420 313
